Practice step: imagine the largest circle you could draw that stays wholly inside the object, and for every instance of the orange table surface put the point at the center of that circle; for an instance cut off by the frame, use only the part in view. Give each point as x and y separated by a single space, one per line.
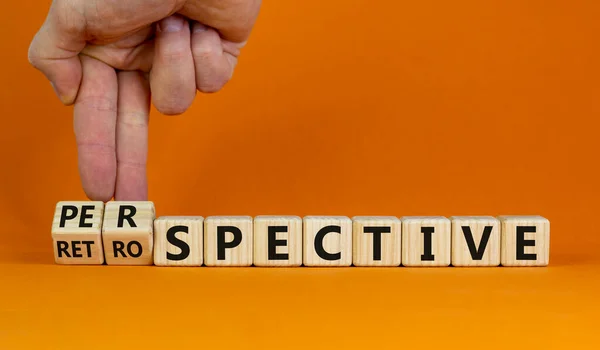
46 306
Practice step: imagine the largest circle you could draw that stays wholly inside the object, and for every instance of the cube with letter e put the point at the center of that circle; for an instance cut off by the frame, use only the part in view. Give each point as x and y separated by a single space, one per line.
277 240
525 240
77 233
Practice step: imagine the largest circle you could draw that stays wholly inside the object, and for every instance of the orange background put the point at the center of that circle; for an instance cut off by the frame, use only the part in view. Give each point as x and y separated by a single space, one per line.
337 107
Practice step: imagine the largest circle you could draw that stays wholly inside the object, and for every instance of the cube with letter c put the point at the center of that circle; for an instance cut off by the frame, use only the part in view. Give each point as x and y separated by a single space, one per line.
327 241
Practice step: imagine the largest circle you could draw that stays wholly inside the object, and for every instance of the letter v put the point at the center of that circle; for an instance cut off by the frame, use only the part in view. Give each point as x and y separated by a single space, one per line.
477 252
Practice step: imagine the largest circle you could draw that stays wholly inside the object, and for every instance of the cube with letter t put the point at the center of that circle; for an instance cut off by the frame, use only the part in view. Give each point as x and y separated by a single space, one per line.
376 241
127 233
228 241
525 240
77 233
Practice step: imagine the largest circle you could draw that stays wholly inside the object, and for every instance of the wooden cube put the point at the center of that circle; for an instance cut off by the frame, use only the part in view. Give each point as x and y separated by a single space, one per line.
277 241
475 241
525 240
77 233
228 241
179 241
426 241
376 241
127 233
327 241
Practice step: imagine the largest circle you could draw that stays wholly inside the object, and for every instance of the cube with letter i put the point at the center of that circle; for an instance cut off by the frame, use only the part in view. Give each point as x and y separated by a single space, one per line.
475 241
277 240
77 233
376 241
525 240
179 241
228 241
327 241
426 241
127 233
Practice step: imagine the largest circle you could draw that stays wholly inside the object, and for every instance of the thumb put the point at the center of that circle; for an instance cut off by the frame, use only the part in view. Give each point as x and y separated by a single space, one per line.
55 49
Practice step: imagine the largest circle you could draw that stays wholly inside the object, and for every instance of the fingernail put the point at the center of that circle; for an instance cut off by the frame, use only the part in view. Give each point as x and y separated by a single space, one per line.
63 99
171 24
199 27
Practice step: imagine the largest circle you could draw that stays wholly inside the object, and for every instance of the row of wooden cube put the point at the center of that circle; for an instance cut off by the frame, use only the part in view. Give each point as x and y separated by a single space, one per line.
128 233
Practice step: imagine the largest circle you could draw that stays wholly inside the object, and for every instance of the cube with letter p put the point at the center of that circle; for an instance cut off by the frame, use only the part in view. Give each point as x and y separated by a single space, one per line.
77 233
228 241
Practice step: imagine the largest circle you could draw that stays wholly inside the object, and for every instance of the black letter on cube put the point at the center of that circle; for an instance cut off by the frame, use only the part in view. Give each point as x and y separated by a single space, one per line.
85 215
274 243
185 248
64 216
128 217
377 231
477 252
63 247
222 245
427 254
319 243
522 243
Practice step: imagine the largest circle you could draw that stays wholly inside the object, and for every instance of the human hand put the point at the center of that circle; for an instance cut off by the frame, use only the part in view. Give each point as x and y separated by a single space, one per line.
110 58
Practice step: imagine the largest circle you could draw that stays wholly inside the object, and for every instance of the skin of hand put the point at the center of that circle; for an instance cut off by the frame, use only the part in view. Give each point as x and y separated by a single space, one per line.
111 59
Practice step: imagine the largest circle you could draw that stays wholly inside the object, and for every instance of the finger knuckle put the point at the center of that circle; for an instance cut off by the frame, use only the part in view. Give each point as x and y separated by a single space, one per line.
132 119
204 53
96 103
68 17
33 60
175 56
122 61
33 55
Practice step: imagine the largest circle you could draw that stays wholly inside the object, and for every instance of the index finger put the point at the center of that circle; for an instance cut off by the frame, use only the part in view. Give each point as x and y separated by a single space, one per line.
95 118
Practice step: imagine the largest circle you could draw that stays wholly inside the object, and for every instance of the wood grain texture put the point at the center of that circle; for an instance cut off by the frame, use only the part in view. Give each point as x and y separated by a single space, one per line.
388 251
336 245
186 247
475 241
129 241
288 244
77 240
414 250
240 254
536 248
